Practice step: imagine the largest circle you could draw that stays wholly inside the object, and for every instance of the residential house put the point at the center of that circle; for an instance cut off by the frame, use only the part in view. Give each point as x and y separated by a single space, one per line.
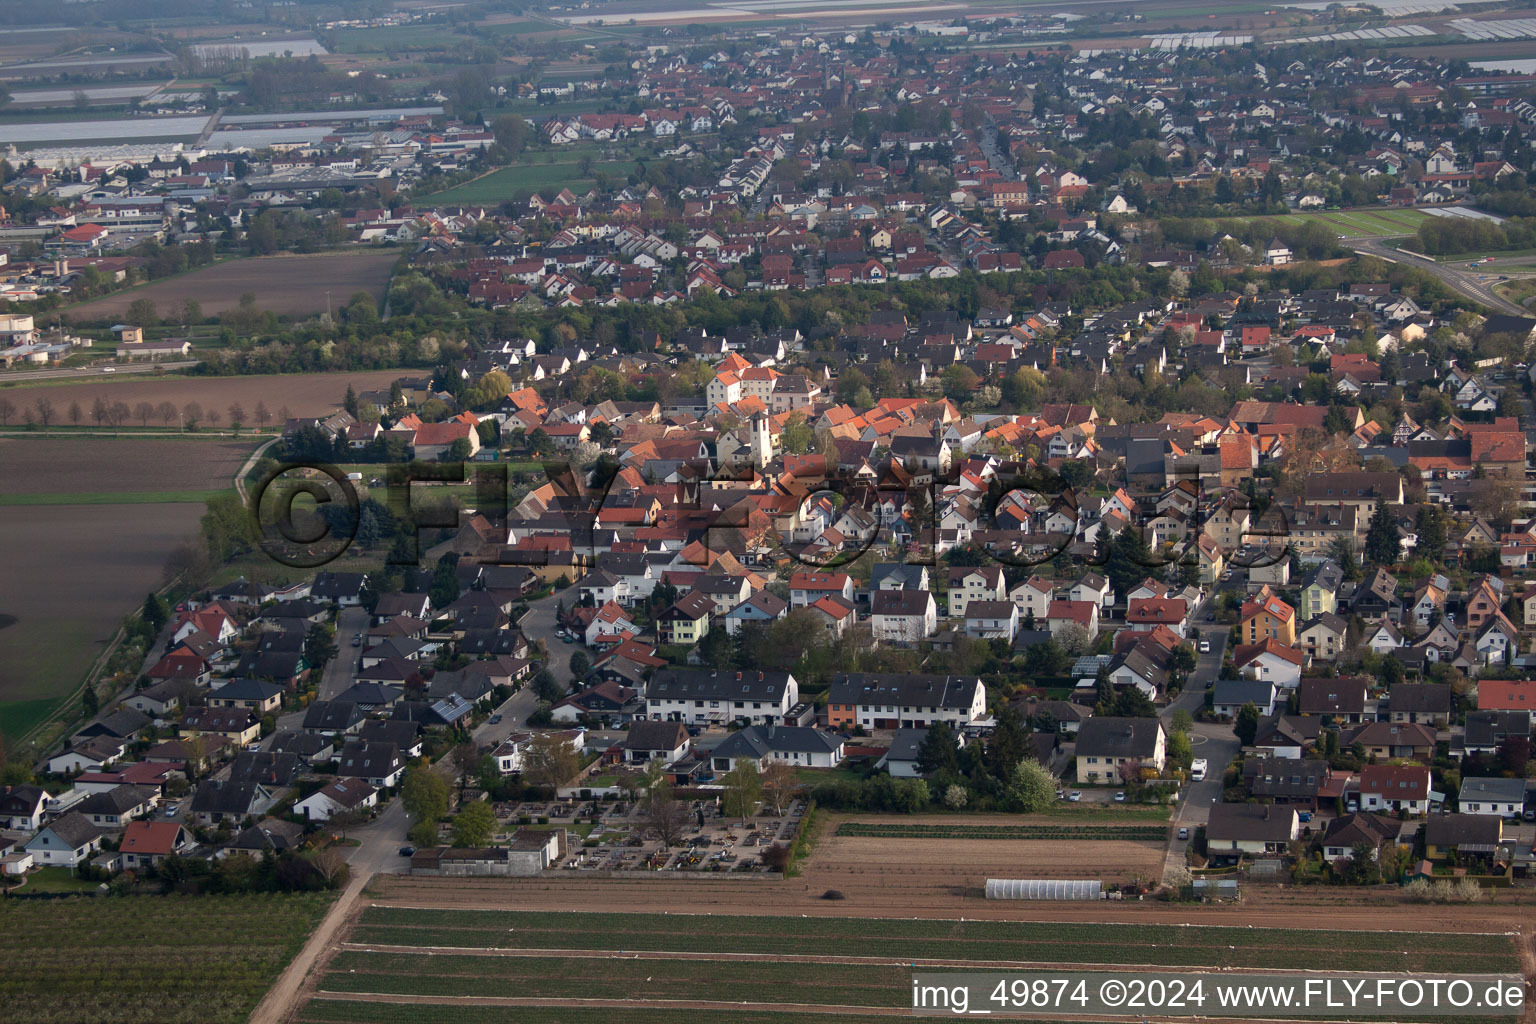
1394 788
1504 798
342 796
798 746
1253 830
904 700
704 696
1105 744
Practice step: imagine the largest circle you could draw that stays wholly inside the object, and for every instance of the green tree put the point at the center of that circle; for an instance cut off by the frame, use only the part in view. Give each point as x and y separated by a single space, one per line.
1383 544
1430 525
1032 789
797 436
1246 725
424 794
1180 751
546 687
937 752
155 613
743 787
474 825
580 665
1129 560
319 647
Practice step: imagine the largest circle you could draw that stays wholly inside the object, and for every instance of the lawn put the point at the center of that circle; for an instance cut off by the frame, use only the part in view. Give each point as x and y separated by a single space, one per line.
57 880
524 180
150 959
1518 292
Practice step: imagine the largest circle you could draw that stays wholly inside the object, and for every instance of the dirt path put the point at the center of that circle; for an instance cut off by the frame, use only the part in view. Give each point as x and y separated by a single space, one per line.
1287 908
282 998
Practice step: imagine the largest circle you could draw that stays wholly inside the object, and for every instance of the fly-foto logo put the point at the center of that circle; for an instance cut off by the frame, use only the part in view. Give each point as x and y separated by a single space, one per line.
307 514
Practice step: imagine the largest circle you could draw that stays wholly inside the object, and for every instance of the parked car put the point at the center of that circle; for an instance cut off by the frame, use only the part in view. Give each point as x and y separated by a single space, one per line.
1076 796
1303 815
1205 647
495 719
1120 797
1197 769
407 851
357 639
171 810
1183 833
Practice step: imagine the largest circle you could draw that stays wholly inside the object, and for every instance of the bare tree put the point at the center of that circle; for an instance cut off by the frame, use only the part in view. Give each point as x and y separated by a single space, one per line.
330 865
214 416
191 413
167 412
44 409
550 760
665 816
263 417
144 411
99 410
75 413
7 410
118 414
236 415
779 784
284 415
465 756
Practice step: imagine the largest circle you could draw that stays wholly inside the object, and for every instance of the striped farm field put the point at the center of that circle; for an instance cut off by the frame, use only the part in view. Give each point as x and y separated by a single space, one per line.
1353 223
412 965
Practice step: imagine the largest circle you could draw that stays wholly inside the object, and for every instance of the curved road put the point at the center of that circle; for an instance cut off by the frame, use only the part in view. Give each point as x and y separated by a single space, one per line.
1477 287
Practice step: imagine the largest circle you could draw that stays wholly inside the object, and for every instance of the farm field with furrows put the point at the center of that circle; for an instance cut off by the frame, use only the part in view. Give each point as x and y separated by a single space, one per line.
38 465
148 959
409 965
285 285
935 939
87 524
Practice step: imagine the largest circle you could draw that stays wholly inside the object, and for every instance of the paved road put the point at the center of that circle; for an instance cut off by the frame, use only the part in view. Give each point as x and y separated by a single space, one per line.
93 372
1213 741
341 671
1478 287
539 627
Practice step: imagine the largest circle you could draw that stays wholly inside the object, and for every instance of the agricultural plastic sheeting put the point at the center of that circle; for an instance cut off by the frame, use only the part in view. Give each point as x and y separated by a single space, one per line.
1043 889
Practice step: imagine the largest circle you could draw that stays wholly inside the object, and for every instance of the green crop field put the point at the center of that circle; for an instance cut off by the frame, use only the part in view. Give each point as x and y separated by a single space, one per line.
1352 223
681 958
1153 833
149 959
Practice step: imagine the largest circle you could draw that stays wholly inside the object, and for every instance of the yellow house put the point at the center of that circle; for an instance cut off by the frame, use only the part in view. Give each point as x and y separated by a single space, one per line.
687 620
1268 616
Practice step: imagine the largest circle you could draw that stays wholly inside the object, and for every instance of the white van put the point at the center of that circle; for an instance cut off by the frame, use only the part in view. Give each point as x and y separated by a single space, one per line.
1197 770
